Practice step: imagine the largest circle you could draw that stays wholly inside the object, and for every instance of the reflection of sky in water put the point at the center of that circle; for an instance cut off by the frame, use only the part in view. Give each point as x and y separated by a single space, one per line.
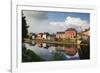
42 52
76 56
48 54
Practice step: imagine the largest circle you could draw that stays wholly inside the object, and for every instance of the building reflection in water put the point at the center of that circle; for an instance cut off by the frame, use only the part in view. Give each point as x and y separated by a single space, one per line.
57 51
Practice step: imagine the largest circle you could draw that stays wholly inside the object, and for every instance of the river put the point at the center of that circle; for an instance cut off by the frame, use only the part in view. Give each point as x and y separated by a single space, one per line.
52 52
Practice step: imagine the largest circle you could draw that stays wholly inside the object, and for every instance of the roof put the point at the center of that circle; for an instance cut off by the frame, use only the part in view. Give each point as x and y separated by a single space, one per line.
60 32
39 33
46 33
52 35
33 33
71 29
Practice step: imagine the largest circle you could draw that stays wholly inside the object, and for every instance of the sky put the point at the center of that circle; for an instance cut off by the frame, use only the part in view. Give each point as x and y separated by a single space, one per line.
52 22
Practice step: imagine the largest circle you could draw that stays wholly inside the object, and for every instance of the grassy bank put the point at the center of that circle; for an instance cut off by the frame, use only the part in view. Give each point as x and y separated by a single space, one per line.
30 56
56 41
66 41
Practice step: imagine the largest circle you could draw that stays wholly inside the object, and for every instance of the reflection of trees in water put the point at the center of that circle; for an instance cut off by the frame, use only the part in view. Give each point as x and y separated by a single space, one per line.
30 56
59 56
27 55
84 52
71 49
60 51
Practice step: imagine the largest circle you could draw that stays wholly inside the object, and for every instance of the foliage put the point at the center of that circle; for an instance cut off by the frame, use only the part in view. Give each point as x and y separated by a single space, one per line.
30 56
84 52
24 28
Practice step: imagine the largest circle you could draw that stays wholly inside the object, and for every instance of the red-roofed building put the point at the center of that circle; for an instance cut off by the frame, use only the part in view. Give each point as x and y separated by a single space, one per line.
70 33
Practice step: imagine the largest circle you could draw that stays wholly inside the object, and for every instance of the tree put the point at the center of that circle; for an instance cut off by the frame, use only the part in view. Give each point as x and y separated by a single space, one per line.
24 28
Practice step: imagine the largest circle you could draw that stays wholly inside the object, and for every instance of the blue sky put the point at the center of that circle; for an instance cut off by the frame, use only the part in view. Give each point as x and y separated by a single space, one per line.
61 16
52 22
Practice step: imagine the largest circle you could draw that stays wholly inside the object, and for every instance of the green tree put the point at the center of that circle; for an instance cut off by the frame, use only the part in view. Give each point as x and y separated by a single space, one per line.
24 28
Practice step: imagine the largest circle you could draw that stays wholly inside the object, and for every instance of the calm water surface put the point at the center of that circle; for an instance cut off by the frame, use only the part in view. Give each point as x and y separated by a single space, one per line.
50 52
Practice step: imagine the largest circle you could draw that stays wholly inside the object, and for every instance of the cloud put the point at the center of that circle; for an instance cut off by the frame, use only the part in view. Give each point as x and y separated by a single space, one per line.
58 26
71 22
36 20
79 23
35 14
75 21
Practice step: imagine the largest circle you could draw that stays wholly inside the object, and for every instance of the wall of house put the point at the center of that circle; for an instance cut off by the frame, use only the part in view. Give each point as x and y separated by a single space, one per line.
44 36
70 34
60 36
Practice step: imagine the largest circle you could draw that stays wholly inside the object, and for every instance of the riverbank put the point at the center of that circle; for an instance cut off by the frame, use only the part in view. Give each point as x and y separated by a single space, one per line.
51 41
66 42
